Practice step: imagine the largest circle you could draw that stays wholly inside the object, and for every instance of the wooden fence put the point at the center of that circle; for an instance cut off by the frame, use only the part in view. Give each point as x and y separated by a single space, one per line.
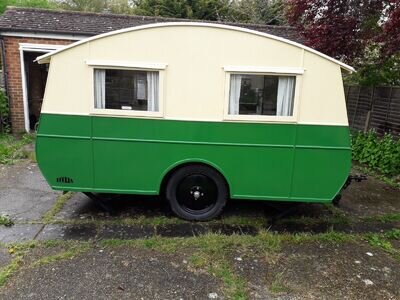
374 108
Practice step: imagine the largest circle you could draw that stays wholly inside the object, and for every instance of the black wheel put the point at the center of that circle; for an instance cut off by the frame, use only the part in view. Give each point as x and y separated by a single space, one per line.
196 193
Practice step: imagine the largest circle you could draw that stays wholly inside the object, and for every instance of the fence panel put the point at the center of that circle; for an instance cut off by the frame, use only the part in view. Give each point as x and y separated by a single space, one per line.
374 108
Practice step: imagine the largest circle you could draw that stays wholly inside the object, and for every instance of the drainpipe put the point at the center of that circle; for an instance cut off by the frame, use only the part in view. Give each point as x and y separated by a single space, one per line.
6 87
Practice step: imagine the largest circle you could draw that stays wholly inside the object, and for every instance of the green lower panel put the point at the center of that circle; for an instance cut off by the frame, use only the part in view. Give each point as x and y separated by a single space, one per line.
129 155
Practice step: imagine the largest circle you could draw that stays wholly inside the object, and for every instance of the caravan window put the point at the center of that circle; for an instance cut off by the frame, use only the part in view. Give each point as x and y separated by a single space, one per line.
261 95
126 89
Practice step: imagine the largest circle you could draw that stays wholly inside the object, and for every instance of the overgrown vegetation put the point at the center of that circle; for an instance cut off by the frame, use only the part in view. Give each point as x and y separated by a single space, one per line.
57 206
4 113
12 148
19 251
383 241
381 154
213 253
6 221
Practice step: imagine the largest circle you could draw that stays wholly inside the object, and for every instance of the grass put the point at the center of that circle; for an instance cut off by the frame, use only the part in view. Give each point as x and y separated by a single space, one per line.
387 218
72 251
12 148
213 253
278 285
58 205
6 221
210 252
382 241
20 250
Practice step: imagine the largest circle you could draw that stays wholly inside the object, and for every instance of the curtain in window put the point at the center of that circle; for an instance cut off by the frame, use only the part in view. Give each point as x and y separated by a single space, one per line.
152 91
100 88
284 106
234 94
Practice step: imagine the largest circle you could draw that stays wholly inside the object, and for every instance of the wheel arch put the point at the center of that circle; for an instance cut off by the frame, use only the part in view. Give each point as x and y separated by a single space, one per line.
187 162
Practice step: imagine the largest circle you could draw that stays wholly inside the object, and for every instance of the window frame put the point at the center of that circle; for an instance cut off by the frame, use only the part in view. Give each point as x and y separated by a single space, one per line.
261 71
130 66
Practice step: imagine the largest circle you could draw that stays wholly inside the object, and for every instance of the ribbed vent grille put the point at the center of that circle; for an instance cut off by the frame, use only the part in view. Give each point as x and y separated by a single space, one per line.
65 180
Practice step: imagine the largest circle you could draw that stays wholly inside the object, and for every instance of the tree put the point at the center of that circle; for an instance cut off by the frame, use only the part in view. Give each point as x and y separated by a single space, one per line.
271 12
390 37
363 33
25 3
215 10
339 28
83 5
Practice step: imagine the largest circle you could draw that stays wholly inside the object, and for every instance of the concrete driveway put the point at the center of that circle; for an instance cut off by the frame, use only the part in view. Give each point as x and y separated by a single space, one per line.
66 246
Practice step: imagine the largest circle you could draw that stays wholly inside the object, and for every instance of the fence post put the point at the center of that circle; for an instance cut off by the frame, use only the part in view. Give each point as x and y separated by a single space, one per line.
389 104
355 110
368 118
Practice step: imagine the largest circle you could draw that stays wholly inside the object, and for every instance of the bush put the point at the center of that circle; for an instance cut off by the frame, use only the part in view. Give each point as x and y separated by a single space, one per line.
4 113
12 148
382 154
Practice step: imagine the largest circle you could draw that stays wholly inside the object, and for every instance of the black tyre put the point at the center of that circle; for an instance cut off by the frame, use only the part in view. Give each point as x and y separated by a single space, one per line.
196 192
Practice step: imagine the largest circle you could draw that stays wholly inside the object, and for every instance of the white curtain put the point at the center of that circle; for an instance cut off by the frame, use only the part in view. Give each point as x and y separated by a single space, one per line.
100 88
284 105
152 91
234 94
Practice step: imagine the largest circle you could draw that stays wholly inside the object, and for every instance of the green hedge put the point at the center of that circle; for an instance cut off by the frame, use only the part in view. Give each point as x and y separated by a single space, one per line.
379 153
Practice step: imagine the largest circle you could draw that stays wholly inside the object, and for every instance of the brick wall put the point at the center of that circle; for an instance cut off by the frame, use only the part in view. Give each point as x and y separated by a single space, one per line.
14 78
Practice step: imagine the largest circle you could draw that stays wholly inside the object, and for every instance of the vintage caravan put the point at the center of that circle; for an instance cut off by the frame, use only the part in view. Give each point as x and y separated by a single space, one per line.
199 113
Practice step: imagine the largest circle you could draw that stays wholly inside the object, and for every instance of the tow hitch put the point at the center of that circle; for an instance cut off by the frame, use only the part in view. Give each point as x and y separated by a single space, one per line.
350 179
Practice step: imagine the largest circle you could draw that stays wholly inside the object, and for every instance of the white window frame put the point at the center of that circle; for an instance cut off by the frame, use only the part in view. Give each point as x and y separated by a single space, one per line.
272 71
29 47
133 66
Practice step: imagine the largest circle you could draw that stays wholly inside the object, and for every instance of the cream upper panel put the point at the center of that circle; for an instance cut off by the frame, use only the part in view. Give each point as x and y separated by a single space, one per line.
68 86
194 81
322 98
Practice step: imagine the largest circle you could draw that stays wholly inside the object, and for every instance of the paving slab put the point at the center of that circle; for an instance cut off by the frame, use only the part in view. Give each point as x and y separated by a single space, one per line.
112 273
19 233
24 193
68 232
116 231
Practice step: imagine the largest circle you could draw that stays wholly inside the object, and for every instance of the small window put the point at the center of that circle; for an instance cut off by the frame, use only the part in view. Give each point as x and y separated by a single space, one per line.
261 95
126 89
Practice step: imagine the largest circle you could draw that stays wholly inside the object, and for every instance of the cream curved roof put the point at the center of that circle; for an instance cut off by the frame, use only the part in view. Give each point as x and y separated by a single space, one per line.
46 57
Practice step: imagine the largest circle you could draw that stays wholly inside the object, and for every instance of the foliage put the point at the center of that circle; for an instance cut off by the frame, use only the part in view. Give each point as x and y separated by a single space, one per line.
338 28
6 221
4 113
26 3
363 33
391 29
382 154
215 10
12 148
246 11
373 71
271 12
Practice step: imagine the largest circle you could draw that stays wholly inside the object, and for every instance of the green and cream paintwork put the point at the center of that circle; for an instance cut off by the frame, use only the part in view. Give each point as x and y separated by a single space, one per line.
305 157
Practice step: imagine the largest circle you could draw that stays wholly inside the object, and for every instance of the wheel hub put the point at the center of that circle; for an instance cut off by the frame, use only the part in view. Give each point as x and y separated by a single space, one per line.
197 193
